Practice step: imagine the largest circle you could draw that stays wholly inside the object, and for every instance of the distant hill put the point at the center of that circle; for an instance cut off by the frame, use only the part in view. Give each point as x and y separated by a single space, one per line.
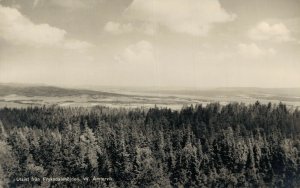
281 94
20 95
230 91
48 91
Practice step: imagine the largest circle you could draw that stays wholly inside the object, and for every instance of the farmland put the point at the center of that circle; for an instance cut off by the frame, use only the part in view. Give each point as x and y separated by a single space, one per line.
23 96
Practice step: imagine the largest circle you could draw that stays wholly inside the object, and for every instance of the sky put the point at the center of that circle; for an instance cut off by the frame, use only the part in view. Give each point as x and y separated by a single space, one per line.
161 43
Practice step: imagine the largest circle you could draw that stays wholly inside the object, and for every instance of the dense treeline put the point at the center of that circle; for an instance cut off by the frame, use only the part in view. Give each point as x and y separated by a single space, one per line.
235 145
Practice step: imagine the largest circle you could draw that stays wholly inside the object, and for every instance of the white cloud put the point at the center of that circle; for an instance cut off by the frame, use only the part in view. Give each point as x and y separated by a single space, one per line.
253 51
35 3
139 53
137 64
121 28
72 4
117 28
148 28
273 32
18 29
68 4
73 44
194 17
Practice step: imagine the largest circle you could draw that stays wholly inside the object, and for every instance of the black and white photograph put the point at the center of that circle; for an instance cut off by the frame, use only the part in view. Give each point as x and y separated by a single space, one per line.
149 93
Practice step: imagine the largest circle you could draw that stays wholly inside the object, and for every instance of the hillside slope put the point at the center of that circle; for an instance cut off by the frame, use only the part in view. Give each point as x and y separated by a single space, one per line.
48 91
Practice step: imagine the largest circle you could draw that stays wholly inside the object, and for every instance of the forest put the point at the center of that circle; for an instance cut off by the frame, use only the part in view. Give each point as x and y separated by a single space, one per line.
234 145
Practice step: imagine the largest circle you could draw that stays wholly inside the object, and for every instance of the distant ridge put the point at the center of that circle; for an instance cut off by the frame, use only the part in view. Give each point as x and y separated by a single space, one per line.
48 91
230 91
213 94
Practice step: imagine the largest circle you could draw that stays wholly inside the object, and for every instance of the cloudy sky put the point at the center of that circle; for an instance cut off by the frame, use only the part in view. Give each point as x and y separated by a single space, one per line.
175 43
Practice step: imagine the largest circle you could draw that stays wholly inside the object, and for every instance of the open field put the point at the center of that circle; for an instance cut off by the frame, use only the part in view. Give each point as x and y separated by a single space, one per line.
23 96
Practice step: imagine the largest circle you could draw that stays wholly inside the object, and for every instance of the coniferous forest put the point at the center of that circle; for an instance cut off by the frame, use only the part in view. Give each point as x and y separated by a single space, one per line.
236 145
